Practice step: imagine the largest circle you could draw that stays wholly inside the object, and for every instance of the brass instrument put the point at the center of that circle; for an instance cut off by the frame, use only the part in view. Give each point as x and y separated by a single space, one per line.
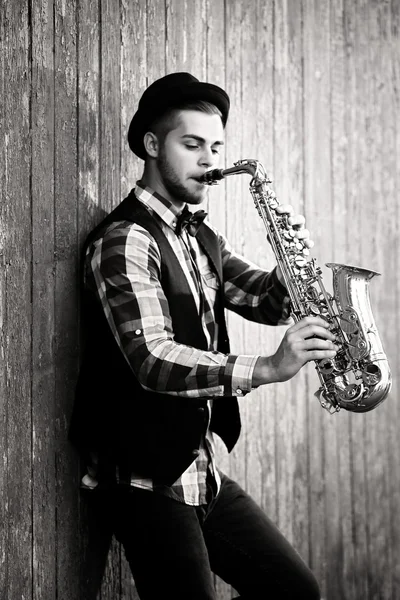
358 378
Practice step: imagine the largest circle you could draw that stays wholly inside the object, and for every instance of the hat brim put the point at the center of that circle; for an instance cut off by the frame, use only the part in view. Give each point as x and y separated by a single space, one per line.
171 97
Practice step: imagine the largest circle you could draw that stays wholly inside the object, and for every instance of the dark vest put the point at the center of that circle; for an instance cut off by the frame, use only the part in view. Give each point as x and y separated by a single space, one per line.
155 435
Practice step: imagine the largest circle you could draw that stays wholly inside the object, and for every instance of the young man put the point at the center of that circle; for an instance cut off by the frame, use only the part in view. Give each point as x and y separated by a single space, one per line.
158 379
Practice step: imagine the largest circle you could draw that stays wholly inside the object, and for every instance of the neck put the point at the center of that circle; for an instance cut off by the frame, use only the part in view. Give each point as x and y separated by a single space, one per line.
151 177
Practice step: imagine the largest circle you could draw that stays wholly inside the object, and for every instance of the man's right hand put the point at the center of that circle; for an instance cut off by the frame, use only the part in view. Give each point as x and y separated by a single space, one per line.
308 339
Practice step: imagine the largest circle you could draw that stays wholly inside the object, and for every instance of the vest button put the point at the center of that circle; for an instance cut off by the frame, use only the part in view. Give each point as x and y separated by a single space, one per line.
195 453
201 410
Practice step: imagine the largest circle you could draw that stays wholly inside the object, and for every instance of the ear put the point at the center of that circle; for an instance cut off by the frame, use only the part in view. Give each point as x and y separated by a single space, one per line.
151 144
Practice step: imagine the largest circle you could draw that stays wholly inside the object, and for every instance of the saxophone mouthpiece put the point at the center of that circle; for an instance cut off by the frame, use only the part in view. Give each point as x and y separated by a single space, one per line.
212 177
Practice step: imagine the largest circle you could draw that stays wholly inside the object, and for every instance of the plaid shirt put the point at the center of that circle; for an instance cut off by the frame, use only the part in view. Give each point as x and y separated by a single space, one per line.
123 269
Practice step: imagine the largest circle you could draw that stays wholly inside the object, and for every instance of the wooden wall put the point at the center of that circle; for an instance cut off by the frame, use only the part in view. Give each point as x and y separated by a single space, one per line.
315 90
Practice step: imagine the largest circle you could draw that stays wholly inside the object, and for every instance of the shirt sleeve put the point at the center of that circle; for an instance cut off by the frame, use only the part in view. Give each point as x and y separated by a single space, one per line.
253 293
123 270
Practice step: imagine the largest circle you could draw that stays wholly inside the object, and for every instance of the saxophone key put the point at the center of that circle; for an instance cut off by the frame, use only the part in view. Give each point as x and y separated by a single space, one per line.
372 374
327 366
351 393
300 261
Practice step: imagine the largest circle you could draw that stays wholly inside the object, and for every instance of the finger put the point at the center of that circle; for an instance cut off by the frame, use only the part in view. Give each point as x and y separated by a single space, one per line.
318 344
284 209
312 332
302 234
296 221
320 354
306 321
315 331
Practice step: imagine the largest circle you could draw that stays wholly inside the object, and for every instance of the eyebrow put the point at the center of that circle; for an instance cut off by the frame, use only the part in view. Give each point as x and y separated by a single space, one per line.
202 140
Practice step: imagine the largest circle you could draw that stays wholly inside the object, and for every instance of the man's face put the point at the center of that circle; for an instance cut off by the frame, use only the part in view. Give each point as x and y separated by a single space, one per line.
188 151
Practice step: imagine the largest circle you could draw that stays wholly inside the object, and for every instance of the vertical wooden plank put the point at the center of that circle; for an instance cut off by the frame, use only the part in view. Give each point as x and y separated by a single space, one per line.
235 187
217 205
156 30
185 37
110 104
3 310
110 181
375 252
89 209
340 525
240 136
95 539
253 236
358 186
318 214
267 338
43 325
133 82
292 450
66 306
16 439
392 320
302 400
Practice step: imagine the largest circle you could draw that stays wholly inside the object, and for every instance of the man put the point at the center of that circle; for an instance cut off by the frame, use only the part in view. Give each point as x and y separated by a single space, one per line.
158 379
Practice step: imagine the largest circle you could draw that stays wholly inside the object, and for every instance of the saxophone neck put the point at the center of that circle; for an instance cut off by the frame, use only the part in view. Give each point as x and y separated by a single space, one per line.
250 166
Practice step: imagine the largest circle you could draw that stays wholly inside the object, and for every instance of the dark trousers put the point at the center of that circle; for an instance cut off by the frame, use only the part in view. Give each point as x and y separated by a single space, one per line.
173 549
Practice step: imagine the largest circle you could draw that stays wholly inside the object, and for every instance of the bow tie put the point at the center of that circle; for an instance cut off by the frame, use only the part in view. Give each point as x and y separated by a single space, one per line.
189 221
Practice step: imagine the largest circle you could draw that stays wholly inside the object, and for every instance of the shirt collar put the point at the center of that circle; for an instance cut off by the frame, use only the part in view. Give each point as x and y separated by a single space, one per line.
167 211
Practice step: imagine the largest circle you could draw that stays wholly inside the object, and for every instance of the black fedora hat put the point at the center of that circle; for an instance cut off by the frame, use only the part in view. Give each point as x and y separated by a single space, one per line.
169 91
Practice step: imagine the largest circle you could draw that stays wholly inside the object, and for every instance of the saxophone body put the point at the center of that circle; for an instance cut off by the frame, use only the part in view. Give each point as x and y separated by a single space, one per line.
358 378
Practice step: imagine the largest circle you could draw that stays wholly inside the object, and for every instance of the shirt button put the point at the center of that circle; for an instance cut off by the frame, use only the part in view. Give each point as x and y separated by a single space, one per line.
138 331
195 453
239 392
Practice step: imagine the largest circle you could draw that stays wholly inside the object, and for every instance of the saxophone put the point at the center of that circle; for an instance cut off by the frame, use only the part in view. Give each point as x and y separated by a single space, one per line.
358 378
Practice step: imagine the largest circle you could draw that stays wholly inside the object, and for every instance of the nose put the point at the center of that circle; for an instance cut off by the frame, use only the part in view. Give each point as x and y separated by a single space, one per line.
207 158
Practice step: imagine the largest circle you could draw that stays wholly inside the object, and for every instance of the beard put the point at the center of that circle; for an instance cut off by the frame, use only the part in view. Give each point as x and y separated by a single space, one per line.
172 183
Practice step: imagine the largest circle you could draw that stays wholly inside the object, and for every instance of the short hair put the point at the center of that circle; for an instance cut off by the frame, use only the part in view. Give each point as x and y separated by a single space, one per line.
169 120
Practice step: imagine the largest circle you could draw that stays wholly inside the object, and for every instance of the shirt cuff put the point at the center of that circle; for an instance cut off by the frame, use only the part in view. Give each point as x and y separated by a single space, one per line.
238 375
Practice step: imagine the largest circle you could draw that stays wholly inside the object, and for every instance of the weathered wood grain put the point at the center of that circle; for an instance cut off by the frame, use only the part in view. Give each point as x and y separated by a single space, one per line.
217 205
110 104
267 338
376 252
358 189
16 435
43 297
95 538
133 82
66 297
249 226
341 524
391 321
110 181
3 311
317 175
185 48
89 200
292 413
